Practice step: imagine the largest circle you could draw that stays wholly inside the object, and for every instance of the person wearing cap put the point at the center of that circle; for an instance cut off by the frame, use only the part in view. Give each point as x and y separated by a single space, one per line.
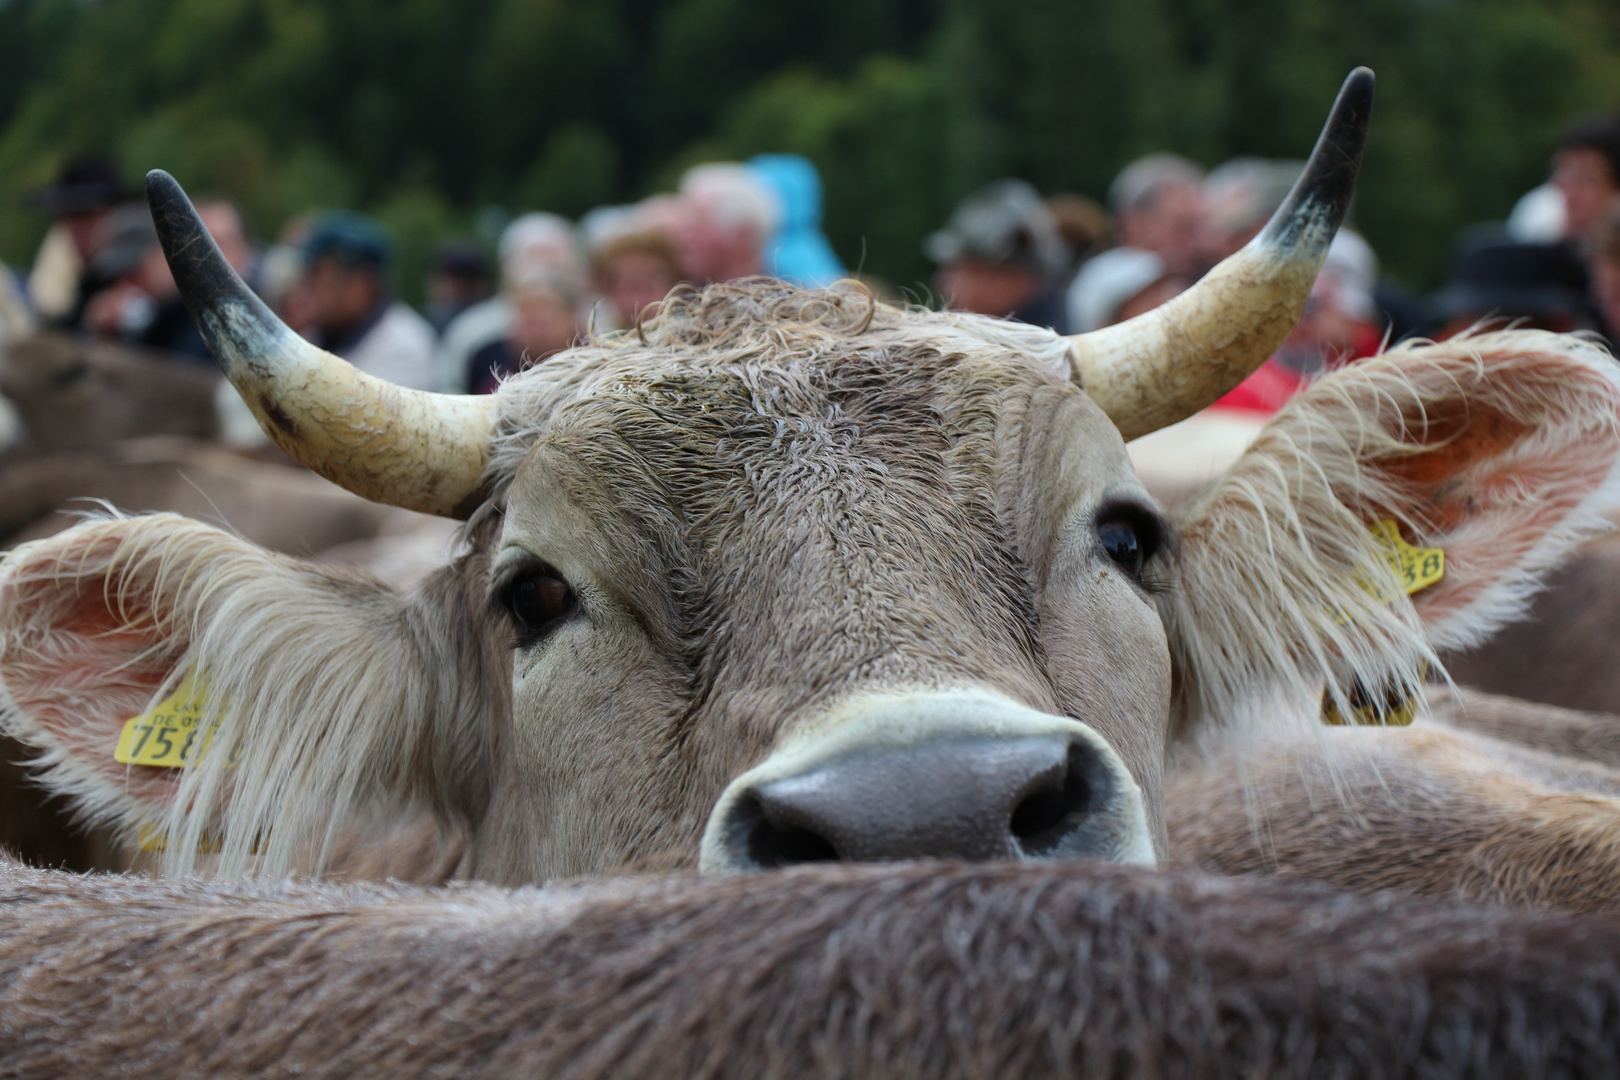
86 191
1119 284
351 310
1001 254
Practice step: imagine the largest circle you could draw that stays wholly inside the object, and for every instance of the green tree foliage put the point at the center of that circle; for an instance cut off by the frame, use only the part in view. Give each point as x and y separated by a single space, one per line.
427 112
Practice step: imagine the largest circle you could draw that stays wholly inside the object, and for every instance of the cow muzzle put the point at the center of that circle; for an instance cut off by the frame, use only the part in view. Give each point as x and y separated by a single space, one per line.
960 774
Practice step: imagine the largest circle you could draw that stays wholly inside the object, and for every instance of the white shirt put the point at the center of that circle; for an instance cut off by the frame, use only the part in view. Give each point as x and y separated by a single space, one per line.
399 349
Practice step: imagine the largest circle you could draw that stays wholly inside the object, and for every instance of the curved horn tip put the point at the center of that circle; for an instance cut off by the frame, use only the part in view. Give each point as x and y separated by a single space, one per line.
1320 198
171 208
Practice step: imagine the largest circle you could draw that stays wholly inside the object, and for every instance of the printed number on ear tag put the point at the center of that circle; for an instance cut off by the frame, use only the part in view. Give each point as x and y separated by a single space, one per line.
1418 568
167 736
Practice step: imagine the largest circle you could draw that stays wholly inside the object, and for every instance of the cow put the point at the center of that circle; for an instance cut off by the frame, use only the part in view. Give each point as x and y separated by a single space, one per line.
924 970
79 394
791 575
1564 651
1528 815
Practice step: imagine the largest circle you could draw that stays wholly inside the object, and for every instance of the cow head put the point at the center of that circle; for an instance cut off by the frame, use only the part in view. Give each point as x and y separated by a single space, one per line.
791 575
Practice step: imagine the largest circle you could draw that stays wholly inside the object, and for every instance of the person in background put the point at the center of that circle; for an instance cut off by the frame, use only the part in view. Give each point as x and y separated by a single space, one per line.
545 305
1084 226
280 273
532 241
1001 254
1157 202
1605 268
633 271
1586 171
352 311
1496 277
1238 199
797 251
86 190
16 320
141 304
1120 284
732 211
460 278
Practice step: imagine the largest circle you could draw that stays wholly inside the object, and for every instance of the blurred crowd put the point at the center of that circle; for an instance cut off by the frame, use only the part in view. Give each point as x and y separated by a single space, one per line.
1062 261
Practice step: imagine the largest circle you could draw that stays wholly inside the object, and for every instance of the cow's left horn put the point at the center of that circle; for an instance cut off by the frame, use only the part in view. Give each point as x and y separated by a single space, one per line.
1162 366
387 443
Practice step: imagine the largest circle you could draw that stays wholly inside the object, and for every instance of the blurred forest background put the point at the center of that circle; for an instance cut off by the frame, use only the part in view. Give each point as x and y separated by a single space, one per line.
443 118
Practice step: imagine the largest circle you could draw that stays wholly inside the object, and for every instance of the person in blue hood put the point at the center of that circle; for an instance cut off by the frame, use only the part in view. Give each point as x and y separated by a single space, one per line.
798 252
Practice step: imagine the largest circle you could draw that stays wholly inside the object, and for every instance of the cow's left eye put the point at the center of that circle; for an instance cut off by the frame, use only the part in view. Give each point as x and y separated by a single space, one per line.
1121 543
1130 535
538 601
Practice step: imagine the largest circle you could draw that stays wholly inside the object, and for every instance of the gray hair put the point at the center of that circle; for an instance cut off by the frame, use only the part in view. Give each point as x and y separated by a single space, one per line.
1140 183
1240 195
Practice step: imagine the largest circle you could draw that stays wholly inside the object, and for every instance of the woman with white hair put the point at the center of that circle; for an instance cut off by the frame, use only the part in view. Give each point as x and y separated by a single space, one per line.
531 242
544 302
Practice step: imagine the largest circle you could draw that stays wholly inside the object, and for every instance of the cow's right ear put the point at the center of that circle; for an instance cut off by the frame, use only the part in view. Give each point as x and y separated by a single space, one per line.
304 688
1408 503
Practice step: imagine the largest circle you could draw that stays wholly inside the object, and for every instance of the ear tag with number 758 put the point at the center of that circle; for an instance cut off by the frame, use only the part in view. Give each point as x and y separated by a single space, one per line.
168 735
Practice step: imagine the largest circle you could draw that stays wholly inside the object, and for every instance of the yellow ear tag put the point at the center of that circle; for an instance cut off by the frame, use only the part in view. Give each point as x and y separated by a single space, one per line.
1418 568
167 735
150 838
1392 709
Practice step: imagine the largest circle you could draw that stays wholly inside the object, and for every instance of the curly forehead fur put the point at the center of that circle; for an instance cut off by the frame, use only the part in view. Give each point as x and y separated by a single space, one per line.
764 352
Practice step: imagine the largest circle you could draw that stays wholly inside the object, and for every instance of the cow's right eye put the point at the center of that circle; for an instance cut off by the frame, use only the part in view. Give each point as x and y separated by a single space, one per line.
538 601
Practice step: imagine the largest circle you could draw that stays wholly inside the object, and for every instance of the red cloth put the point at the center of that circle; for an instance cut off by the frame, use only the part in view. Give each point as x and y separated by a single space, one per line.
1266 391
1273 384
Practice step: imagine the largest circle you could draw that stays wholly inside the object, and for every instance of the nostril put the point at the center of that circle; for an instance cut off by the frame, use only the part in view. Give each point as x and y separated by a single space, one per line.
770 845
1054 810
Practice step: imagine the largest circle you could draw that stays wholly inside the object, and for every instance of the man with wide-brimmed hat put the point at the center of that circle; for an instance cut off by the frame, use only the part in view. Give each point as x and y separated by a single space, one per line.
86 191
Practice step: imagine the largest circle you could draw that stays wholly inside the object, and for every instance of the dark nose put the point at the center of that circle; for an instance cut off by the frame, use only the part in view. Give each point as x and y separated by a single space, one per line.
1022 798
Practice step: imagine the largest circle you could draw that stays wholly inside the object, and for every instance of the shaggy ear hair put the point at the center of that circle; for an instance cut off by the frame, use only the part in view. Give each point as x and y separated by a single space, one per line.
1499 448
330 691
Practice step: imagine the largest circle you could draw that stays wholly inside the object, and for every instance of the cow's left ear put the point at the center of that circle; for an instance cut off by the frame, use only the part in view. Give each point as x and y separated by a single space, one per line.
1498 450
178 682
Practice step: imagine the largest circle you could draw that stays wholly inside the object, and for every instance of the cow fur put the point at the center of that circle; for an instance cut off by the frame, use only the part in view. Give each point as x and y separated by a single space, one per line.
73 394
1483 798
1564 651
933 971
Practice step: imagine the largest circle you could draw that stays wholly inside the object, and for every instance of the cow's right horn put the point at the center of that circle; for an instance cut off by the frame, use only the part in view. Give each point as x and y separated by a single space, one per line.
1166 364
407 448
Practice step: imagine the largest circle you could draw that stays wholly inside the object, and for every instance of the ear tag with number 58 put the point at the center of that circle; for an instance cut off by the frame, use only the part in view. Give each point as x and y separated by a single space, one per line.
1417 568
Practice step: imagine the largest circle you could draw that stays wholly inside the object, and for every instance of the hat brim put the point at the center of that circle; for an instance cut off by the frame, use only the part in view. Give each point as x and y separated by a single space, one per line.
1538 302
76 198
